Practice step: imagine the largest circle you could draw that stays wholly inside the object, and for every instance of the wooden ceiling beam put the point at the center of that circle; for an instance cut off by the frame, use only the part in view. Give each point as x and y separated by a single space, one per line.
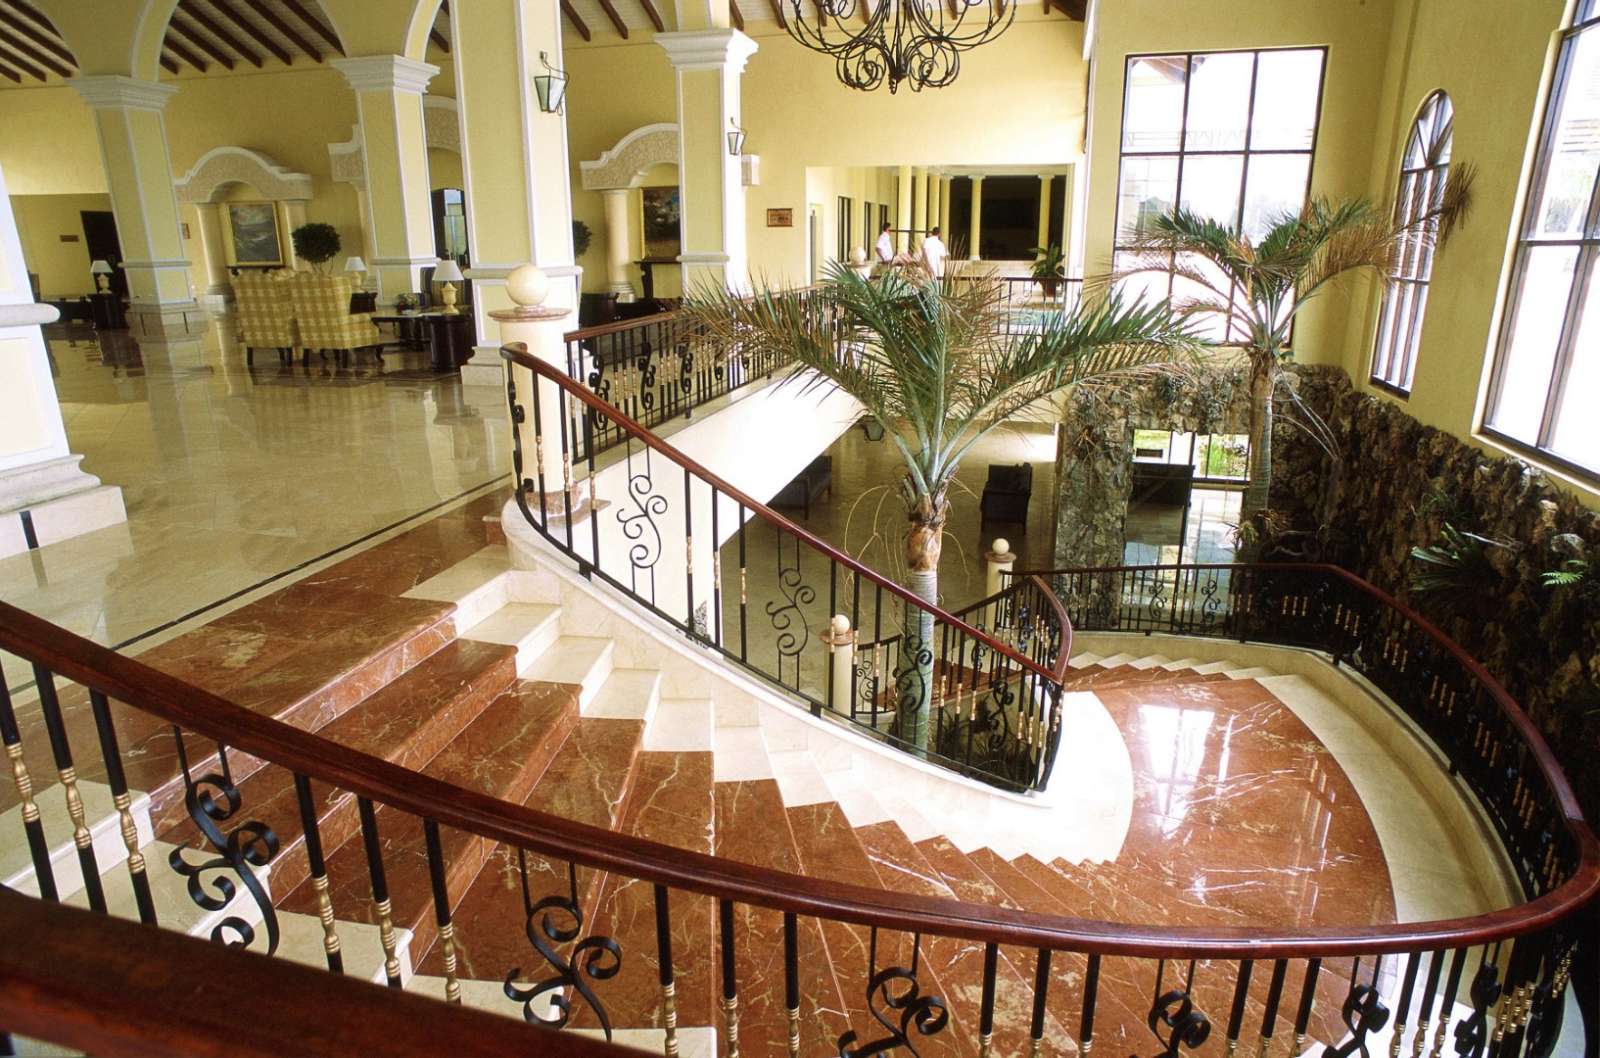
738 16
577 22
17 62
299 11
209 24
1077 10
440 40
39 36
616 20
654 15
253 32
270 17
6 71
200 41
777 13
168 65
31 53
183 54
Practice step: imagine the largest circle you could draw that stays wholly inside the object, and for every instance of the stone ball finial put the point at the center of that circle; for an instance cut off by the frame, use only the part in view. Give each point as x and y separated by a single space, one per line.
840 624
1002 546
858 256
528 286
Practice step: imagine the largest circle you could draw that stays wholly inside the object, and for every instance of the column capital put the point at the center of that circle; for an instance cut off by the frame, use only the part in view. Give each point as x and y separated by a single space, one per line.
393 72
707 49
107 91
978 179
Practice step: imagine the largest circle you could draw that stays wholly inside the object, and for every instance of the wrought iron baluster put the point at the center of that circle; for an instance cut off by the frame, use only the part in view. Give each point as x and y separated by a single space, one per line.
1447 1000
1308 998
730 988
1241 990
38 846
915 1012
1407 987
744 593
791 980
441 910
564 405
380 891
716 570
1041 997
1364 1012
664 974
538 445
61 749
1425 1012
1269 1017
557 920
1186 1025
991 957
1091 991
319 872
690 623
1472 1035
594 500
123 802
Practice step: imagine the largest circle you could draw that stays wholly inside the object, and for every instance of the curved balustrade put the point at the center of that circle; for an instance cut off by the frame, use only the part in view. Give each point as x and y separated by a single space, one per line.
965 699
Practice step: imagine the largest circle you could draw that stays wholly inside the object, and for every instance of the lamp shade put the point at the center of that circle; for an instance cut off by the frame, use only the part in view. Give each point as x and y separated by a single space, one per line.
736 141
99 267
447 271
550 86
354 264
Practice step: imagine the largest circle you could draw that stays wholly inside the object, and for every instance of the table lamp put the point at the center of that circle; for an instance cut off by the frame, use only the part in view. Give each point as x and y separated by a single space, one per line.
448 273
357 267
100 270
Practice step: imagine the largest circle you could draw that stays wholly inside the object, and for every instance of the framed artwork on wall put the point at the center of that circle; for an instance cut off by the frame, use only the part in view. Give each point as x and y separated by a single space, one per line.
661 214
780 218
252 234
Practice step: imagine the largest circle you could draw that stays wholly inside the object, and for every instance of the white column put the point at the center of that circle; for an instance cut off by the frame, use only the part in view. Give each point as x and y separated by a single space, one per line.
976 226
618 259
709 65
44 495
933 200
944 207
902 212
919 207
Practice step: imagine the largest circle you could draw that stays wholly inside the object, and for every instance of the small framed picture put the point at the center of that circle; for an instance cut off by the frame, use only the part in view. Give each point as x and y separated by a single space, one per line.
780 218
185 226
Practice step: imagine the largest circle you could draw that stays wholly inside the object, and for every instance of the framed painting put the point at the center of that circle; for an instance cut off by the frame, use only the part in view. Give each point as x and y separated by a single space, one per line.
662 210
780 218
253 236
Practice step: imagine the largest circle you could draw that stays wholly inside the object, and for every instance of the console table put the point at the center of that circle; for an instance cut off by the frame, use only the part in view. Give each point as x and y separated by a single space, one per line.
449 337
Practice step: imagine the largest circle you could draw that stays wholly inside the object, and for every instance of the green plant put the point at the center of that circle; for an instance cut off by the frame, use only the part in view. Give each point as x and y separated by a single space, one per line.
316 242
581 238
1047 262
1573 572
1458 564
935 364
1252 288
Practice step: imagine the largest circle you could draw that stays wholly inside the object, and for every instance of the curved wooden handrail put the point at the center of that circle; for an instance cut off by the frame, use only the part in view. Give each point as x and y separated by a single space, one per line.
517 353
128 681
1542 754
600 330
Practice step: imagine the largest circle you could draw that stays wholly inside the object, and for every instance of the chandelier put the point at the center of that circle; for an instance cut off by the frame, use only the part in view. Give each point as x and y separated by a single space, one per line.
916 41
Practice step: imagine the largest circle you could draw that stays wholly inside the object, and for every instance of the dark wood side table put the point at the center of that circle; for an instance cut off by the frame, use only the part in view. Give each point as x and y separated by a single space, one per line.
108 314
448 338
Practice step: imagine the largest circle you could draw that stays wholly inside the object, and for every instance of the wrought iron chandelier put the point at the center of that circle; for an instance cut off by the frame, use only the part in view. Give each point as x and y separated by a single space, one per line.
916 41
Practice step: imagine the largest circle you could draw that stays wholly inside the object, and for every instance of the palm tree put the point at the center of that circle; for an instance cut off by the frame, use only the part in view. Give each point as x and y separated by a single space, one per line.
939 366
1252 290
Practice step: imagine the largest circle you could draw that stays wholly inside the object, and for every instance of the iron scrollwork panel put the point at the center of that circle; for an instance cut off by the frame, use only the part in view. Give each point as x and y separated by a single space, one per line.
552 922
896 1002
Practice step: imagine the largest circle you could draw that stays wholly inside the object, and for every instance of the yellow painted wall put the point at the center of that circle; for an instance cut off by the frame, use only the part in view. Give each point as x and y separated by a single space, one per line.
444 168
1356 33
62 267
48 144
825 185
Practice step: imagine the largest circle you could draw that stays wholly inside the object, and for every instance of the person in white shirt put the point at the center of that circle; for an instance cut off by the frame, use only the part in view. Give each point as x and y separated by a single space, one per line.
883 249
934 253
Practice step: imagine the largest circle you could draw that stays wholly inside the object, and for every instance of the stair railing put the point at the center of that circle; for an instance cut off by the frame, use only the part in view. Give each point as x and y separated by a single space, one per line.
753 937
964 699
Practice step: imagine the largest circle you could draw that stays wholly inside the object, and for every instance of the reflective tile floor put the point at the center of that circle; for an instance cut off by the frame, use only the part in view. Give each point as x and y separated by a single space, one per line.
234 475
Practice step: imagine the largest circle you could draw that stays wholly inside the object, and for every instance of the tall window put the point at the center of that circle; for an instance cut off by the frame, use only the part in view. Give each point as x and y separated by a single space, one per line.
846 214
1227 135
1547 372
1423 170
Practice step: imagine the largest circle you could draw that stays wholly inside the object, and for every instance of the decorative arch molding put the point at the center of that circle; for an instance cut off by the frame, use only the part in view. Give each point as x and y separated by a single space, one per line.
441 126
625 164
222 166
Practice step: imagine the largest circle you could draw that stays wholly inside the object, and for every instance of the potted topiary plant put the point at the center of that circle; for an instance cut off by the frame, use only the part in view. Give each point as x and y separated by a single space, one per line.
1047 268
580 238
317 243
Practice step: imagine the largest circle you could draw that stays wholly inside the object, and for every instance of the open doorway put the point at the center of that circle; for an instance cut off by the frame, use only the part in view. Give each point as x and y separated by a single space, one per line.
100 239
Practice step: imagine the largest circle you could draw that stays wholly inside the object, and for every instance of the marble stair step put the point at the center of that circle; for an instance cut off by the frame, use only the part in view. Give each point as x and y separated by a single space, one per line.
169 893
740 754
1115 660
407 722
1250 673
531 628
584 661
627 694
478 585
1183 663
1214 666
860 806
681 725
105 829
800 781
917 826
301 940
503 753
752 827
671 800
1149 661
1083 660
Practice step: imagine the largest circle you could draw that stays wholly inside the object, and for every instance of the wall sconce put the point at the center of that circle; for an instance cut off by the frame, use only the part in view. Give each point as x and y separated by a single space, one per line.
551 87
101 270
735 139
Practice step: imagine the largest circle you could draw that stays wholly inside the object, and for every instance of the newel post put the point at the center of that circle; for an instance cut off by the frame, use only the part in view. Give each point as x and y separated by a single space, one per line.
539 327
841 643
997 566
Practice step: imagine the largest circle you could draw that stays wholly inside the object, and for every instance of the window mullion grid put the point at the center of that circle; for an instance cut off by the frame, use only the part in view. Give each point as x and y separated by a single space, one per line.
1571 324
1183 143
1244 179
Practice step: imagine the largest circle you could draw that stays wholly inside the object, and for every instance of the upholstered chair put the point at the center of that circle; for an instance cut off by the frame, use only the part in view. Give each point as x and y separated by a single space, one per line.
322 311
266 318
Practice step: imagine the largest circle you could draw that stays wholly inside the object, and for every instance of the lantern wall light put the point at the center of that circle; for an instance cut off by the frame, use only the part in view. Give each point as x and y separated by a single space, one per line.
551 87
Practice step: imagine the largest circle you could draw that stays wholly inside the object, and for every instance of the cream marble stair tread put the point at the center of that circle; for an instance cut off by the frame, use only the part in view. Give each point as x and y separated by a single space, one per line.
912 822
583 660
478 585
800 781
1250 673
740 754
529 627
680 725
1149 661
1182 663
360 946
1083 661
1214 666
859 805
1115 660
105 828
169 891
626 694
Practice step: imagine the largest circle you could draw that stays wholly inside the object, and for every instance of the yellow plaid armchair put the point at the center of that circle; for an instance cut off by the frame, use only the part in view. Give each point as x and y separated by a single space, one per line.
322 311
266 316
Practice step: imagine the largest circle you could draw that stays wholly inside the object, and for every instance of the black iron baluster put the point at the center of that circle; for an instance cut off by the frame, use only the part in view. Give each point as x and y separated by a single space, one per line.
1308 998
380 891
1429 993
691 625
730 989
250 844
716 570
62 751
594 500
926 1015
538 448
744 593
1447 1000
38 847
441 910
1041 997
1363 1011
123 802
1187 1026
991 956
1241 990
319 872
1472 1034
1407 987
1269 1017
556 920
669 1002
564 421
791 980
1091 990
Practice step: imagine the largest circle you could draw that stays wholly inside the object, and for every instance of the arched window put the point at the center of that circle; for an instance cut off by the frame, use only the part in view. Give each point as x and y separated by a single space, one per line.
1423 170
1547 371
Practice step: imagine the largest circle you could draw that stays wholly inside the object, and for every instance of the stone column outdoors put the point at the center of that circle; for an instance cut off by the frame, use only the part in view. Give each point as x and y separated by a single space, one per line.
902 212
1044 209
44 496
395 148
709 65
133 145
976 227
618 221
919 207
933 200
944 207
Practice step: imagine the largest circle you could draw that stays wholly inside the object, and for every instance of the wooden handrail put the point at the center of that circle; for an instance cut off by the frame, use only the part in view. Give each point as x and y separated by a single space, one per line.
196 710
600 330
517 353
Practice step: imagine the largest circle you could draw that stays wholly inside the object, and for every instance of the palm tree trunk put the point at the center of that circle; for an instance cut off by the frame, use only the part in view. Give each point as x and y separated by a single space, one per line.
1263 382
914 675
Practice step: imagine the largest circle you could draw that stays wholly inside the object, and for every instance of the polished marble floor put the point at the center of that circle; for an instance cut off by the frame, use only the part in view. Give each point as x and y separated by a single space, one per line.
234 476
